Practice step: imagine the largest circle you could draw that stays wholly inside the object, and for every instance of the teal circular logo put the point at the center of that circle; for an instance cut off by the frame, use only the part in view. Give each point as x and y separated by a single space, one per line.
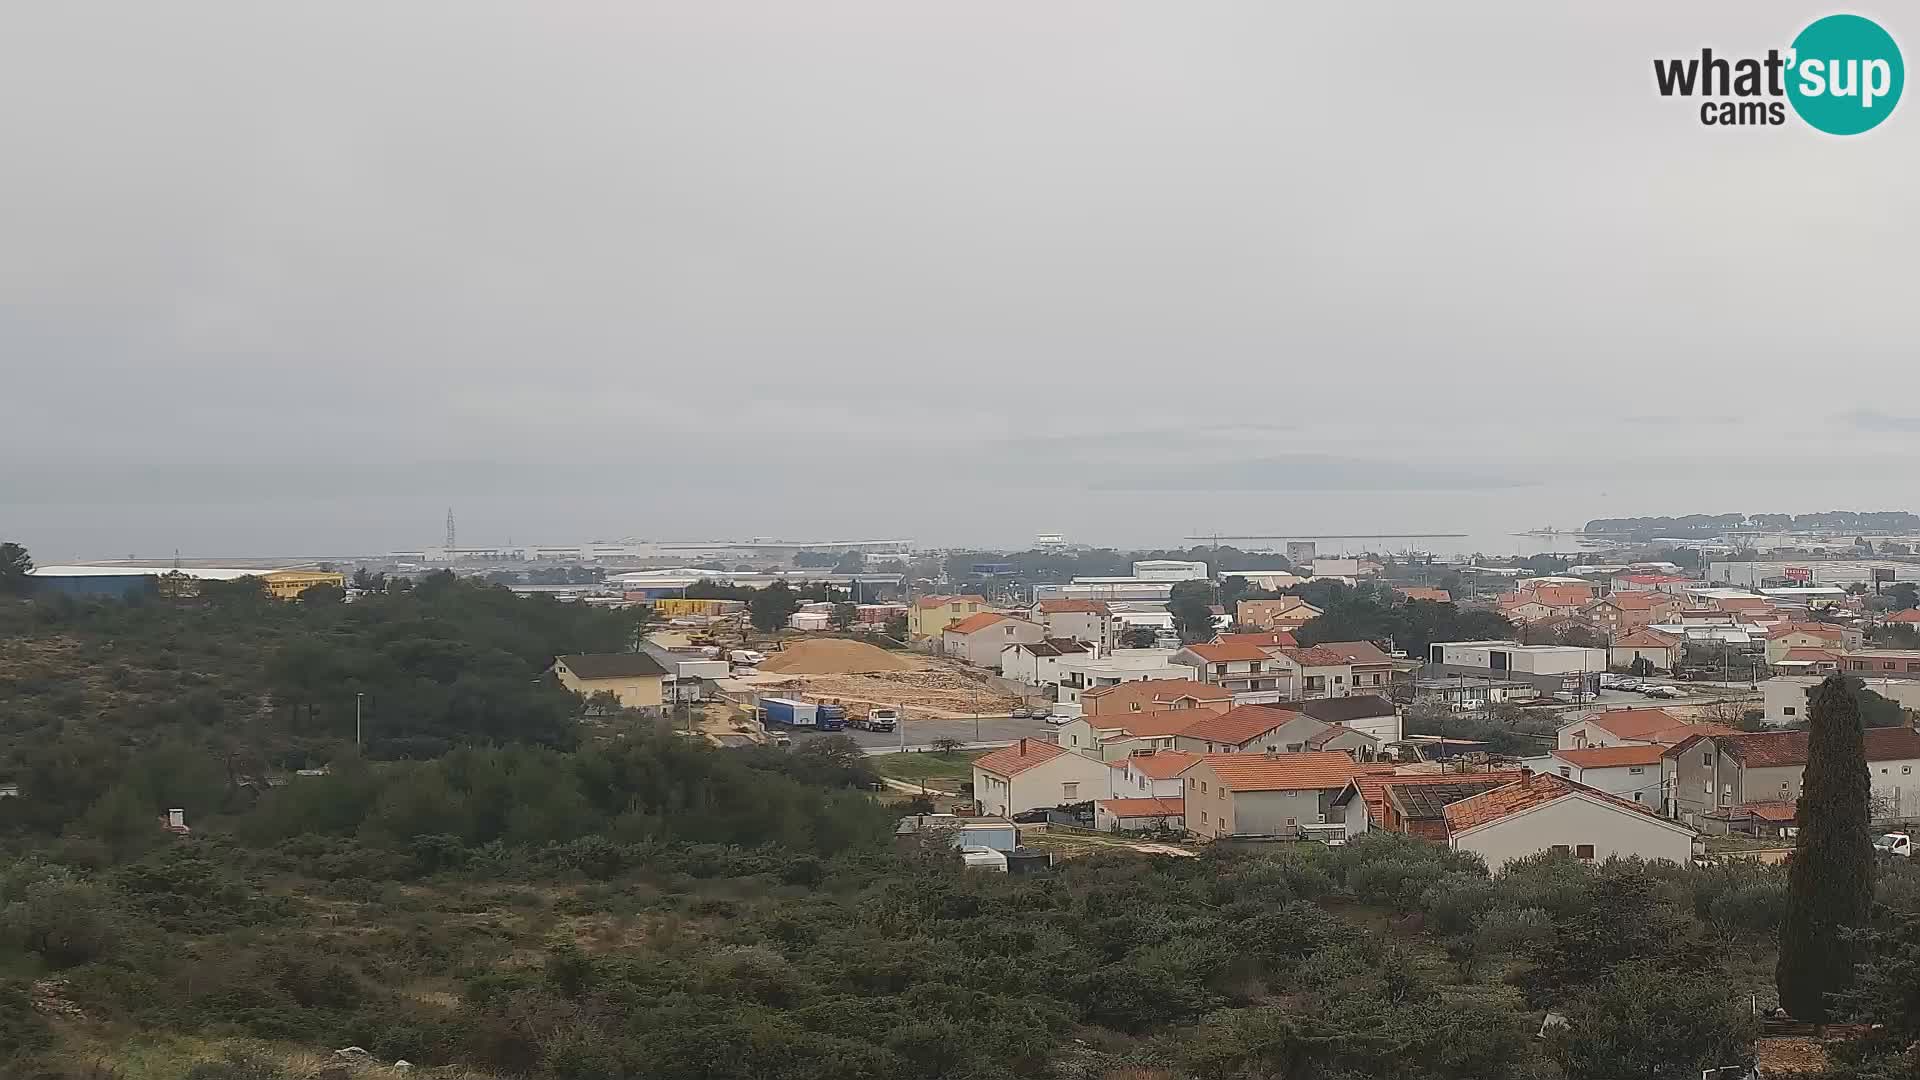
1846 74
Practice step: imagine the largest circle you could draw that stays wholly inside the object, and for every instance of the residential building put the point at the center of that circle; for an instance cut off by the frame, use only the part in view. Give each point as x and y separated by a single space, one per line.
1370 714
1524 608
978 639
930 615
1283 613
1416 592
1154 695
1117 736
1037 663
1625 612
1151 773
1828 637
1718 772
1545 812
1321 672
1551 669
1909 617
635 679
1369 671
1248 729
1410 804
1645 643
1082 677
1881 663
1785 696
1263 794
1631 770
1138 815
1249 672
1804 661
1666 583
1032 774
1632 727
1271 580
1087 621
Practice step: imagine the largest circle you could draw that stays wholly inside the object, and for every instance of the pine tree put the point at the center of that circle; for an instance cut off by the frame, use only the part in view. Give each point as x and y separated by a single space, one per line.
1829 884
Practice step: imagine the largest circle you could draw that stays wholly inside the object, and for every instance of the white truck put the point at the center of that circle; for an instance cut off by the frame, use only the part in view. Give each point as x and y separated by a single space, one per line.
1897 844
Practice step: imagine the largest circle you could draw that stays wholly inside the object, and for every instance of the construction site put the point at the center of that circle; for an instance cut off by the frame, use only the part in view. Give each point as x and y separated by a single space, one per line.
855 673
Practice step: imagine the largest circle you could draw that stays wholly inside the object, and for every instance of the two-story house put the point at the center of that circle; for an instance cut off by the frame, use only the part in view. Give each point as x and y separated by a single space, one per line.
1826 637
1369 671
1248 672
1632 771
1037 663
1087 621
1319 672
1625 612
1723 772
929 615
1032 774
979 639
1263 794
1281 613
1154 695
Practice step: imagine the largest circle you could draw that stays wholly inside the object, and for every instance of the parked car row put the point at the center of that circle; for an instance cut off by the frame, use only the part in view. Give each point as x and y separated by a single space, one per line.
1636 686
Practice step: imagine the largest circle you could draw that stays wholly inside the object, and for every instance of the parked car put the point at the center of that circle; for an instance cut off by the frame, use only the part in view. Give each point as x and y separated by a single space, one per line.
1058 721
1897 844
1021 712
1041 712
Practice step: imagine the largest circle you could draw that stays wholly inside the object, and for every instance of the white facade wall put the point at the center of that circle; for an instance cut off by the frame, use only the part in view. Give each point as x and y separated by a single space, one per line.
1063 779
1573 820
982 647
1634 783
1169 570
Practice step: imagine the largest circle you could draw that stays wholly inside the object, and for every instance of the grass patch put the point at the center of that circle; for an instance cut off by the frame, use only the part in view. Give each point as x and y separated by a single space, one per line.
956 767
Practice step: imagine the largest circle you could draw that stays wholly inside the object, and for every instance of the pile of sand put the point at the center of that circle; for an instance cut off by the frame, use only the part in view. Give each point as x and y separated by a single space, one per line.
833 656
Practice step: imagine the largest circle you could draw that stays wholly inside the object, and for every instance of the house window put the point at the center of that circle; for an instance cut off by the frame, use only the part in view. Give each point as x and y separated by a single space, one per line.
1069 791
1706 759
1636 796
1339 678
1788 710
1203 787
1221 794
1636 770
1203 817
1584 851
1562 849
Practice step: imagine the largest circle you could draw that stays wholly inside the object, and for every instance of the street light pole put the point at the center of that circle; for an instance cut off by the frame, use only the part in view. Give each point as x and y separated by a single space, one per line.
358 743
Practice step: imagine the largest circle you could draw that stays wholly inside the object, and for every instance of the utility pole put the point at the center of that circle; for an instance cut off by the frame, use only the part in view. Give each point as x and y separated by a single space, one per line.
357 741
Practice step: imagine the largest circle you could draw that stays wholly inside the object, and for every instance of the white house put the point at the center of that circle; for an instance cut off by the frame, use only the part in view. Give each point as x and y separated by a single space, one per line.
1037 663
1151 774
1632 770
1546 812
978 639
1090 622
1660 650
1248 671
1032 774
1079 674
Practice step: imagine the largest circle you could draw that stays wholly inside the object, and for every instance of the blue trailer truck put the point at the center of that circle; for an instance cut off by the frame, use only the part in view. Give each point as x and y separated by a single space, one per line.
805 715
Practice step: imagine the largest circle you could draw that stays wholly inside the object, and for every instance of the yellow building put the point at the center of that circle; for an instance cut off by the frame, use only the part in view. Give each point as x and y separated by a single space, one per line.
672 608
636 679
929 615
289 584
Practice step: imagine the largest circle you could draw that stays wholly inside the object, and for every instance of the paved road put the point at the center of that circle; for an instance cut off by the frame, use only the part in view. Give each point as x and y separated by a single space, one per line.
921 734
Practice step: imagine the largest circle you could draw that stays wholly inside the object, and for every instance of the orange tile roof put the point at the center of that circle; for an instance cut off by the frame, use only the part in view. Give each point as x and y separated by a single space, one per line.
1314 656
1270 639
1644 638
1825 630
1911 615
1154 807
1563 595
1312 770
1158 690
1161 764
1654 579
1526 793
1744 603
1227 653
1812 655
1608 757
1414 592
943 601
1636 601
1634 723
975 623
1147 725
1357 652
1773 749
1772 811
1061 607
1018 758
1236 726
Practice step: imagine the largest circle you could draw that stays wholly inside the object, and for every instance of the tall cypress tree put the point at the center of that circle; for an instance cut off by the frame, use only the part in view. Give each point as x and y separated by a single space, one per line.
1829 885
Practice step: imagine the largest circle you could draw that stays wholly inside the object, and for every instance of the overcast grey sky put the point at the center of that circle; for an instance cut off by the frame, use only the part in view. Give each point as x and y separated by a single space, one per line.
282 278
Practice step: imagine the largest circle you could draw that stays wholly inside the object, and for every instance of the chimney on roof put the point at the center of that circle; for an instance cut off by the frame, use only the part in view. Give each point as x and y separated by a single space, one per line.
1023 746
1525 771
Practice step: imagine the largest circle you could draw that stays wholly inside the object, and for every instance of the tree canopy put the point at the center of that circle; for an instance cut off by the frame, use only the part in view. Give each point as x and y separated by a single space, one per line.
1829 884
